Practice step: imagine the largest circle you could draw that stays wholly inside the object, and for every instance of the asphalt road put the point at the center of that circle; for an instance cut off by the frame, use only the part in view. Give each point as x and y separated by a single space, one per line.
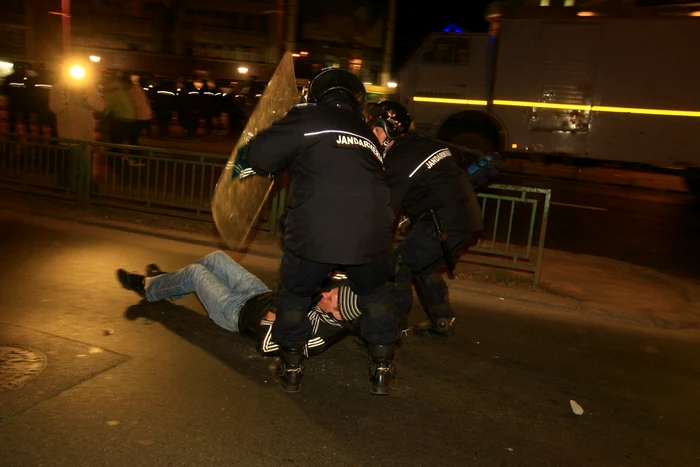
168 387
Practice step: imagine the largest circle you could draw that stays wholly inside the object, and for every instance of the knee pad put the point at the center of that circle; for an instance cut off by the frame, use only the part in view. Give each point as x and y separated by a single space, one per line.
402 274
429 280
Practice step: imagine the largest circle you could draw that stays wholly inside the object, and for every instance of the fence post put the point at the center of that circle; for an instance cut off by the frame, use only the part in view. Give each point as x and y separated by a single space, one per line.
540 245
81 161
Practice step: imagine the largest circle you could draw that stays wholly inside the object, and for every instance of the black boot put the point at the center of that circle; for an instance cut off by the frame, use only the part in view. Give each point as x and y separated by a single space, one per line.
290 369
441 328
381 369
132 281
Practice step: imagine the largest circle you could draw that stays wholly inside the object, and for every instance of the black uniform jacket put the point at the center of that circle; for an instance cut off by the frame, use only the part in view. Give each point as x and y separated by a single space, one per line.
424 174
338 209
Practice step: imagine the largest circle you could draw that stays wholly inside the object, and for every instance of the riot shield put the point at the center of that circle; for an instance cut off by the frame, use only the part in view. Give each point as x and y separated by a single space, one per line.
238 202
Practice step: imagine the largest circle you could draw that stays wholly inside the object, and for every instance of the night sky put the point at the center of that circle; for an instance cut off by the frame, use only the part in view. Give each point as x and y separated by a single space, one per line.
413 24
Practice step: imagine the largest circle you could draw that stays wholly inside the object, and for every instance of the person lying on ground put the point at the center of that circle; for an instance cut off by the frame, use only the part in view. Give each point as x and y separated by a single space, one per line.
238 301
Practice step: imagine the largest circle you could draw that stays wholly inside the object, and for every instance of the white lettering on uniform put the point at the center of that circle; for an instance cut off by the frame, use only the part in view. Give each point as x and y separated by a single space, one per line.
437 158
432 160
351 140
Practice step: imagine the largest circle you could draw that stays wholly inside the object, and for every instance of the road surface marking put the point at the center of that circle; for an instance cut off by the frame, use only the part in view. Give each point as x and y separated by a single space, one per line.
592 208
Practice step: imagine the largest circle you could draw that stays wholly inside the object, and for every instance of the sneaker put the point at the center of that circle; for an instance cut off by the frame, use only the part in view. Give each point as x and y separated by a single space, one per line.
131 281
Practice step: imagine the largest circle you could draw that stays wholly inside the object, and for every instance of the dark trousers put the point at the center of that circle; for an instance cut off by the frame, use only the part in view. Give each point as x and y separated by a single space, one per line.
119 130
421 260
163 120
299 281
14 118
48 119
136 127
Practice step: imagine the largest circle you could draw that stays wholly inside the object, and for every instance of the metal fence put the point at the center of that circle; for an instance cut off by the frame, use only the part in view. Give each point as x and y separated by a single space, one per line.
182 183
515 227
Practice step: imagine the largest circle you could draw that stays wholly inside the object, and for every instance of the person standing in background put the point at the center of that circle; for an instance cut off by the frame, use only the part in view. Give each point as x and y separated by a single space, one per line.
73 101
142 109
119 112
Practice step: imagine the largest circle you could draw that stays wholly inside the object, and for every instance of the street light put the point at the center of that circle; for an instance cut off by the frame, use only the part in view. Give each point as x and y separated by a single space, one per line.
242 70
95 59
391 84
77 72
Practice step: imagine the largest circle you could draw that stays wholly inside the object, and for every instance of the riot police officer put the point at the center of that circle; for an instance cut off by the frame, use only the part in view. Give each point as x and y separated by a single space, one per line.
16 89
193 95
337 214
41 87
437 196
165 105
211 105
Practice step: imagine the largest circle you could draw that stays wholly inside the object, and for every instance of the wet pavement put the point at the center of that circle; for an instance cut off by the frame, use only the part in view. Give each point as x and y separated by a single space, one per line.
131 383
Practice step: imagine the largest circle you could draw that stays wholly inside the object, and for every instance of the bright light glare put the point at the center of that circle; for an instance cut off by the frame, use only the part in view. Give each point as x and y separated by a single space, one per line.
95 59
695 13
77 72
585 13
242 70
5 69
391 84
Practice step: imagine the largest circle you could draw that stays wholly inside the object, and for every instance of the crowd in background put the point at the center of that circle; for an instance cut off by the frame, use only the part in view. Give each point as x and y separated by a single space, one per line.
133 104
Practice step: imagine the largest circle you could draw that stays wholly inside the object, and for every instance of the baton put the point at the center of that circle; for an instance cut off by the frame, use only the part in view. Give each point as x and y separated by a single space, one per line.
443 242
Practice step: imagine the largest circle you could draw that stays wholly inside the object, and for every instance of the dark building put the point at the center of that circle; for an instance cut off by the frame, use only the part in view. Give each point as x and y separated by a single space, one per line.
219 37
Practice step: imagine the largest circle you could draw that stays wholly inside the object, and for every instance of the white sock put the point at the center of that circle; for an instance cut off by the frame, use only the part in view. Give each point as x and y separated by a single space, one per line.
147 282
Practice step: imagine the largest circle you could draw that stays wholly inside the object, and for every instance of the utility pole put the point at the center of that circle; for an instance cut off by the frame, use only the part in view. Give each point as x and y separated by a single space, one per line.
292 18
389 43
65 23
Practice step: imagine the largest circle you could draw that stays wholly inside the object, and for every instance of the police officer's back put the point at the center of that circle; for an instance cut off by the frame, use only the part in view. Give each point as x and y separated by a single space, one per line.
425 175
337 210
338 214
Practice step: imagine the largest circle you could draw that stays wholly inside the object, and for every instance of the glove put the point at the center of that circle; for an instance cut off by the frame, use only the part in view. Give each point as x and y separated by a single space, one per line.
487 167
404 225
241 168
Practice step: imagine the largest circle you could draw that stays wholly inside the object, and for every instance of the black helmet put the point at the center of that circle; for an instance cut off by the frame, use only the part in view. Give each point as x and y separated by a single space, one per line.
334 79
389 115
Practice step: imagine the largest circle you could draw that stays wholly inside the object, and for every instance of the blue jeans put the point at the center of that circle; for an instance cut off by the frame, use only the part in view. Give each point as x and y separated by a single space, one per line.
221 284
